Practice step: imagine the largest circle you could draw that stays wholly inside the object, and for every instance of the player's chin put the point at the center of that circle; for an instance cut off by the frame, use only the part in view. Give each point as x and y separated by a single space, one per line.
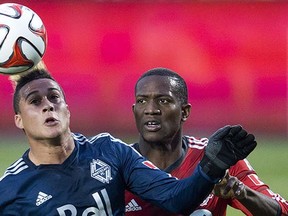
54 133
152 137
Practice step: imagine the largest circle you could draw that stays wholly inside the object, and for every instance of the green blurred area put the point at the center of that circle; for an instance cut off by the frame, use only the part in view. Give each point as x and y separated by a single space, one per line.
268 159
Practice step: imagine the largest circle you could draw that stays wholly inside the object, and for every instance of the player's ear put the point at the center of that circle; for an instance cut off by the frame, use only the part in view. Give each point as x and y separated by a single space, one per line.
133 108
68 111
18 121
185 112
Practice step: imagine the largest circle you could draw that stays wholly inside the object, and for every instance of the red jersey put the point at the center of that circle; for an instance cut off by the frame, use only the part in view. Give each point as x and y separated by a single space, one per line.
212 205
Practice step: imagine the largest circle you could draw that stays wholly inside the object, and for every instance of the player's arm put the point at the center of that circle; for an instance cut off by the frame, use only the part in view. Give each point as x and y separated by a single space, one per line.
225 147
255 202
159 188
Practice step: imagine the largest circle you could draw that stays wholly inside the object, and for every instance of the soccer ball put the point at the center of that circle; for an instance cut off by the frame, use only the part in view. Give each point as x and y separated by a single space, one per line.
23 38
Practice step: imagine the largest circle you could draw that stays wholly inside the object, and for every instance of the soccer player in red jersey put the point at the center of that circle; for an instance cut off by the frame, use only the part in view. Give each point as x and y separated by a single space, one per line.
160 109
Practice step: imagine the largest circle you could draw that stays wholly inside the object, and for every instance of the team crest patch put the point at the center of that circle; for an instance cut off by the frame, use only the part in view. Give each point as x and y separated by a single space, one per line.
100 171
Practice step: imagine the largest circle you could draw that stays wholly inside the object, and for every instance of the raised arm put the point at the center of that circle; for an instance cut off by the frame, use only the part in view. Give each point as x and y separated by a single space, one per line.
225 147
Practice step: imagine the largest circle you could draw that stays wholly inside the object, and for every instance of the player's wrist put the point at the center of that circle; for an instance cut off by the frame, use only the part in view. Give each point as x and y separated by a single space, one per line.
212 171
230 188
240 191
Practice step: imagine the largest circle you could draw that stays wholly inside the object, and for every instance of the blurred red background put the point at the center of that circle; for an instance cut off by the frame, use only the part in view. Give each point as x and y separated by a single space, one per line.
232 55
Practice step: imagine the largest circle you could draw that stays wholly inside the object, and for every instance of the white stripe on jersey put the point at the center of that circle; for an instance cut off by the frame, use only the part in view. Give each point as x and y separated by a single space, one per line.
15 168
197 143
248 164
92 139
81 139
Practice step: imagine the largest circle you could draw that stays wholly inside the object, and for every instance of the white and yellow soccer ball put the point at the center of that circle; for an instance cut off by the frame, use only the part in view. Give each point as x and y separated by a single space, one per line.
23 38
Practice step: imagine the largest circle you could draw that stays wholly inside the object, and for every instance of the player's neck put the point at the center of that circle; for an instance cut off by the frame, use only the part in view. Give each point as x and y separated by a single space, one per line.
162 155
51 153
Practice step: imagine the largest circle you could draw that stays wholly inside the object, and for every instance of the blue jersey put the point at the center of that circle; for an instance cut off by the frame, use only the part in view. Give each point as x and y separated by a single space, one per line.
92 181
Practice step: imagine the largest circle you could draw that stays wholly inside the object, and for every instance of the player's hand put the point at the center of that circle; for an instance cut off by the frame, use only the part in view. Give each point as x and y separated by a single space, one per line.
225 147
230 187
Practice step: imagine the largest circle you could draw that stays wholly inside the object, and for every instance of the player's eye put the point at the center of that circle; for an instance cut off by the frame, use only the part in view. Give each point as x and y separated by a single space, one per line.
54 96
140 101
35 101
163 101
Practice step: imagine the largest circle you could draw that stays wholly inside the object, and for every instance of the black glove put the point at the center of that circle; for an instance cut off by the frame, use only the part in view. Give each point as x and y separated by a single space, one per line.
225 147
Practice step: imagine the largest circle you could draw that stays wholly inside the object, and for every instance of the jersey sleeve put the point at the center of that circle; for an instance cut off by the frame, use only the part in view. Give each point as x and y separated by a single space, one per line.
153 185
245 173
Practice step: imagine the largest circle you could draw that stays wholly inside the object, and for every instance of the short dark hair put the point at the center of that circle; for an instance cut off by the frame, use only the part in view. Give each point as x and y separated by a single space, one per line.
181 87
26 78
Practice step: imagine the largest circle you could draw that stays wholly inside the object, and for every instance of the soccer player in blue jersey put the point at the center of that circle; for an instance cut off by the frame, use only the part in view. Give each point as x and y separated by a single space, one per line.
65 173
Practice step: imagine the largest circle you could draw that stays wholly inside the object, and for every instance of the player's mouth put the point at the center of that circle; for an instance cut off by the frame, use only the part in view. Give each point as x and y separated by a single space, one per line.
152 126
51 121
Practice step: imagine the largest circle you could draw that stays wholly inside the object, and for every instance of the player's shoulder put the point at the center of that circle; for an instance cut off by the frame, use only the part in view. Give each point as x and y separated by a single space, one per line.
96 139
195 142
100 141
15 171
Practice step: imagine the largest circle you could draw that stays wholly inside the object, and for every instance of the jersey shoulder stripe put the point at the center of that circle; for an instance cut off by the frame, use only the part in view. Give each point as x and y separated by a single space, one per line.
82 139
17 167
197 143
92 140
102 137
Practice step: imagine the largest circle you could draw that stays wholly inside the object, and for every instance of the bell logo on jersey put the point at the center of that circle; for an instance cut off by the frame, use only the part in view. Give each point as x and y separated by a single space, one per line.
104 207
100 171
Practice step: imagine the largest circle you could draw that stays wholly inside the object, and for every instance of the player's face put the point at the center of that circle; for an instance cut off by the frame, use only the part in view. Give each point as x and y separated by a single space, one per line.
158 112
43 112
